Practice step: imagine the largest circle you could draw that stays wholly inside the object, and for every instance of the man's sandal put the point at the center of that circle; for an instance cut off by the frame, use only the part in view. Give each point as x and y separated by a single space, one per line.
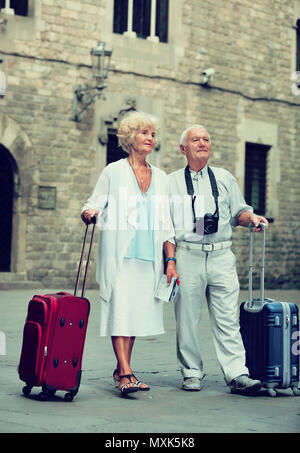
124 389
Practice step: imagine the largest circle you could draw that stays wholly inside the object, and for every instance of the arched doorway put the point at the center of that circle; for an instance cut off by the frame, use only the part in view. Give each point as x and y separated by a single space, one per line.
17 159
8 168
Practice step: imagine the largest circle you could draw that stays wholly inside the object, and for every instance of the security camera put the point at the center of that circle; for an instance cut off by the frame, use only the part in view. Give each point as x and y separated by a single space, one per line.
207 75
208 72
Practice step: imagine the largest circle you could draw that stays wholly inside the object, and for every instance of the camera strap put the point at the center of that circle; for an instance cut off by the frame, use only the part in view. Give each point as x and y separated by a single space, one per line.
190 188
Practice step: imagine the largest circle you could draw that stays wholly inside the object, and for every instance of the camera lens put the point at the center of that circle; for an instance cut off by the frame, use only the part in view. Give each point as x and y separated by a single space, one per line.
210 224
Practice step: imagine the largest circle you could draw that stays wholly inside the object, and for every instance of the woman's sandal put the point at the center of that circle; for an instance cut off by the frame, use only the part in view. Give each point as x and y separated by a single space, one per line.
116 381
138 383
124 389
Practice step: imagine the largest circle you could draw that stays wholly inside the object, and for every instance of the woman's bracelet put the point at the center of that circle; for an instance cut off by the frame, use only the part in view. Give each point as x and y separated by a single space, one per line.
171 259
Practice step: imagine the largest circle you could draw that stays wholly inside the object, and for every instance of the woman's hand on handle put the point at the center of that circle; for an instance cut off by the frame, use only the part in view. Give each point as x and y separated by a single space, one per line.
88 215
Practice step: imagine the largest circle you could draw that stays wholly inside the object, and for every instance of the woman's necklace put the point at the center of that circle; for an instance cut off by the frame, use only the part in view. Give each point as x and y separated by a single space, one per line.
141 181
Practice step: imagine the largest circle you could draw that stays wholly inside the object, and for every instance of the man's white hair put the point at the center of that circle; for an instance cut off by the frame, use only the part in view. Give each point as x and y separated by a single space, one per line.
184 133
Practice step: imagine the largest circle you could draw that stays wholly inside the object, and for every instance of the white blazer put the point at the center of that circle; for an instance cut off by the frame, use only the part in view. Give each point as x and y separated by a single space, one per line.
115 197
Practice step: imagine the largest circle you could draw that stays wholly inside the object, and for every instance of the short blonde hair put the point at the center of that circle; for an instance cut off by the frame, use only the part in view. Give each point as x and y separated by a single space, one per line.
131 124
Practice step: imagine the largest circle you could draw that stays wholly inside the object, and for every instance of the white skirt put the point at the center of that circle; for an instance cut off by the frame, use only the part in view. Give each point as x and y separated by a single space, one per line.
132 309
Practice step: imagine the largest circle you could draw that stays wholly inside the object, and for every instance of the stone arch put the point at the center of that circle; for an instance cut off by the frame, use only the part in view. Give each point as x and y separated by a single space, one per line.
17 143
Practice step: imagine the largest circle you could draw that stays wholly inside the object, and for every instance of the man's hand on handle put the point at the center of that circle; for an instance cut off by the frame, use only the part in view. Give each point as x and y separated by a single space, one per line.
256 219
247 217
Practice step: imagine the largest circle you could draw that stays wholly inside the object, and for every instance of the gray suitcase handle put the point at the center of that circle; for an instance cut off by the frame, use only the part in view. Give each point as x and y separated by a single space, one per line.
260 302
94 220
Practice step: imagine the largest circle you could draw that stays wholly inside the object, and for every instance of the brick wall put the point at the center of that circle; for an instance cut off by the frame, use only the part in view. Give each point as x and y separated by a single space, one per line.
250 47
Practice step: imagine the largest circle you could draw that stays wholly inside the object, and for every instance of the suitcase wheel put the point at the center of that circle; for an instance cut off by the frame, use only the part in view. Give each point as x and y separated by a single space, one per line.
272 392
296 391
43 396
46 393
26 390
69 397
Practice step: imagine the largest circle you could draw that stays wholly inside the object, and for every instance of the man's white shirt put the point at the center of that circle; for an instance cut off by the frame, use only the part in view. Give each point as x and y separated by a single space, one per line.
230 201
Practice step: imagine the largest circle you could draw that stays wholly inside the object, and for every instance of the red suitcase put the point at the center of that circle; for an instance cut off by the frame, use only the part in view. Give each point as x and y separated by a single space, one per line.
53 339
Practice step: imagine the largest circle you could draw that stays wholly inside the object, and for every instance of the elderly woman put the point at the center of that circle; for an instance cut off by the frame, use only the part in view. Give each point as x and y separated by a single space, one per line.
131 197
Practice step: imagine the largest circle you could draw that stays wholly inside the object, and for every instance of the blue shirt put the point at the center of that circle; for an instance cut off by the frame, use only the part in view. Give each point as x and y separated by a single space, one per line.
142 245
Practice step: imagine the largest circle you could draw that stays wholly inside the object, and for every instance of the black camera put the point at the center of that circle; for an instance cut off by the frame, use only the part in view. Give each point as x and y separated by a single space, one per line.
211 223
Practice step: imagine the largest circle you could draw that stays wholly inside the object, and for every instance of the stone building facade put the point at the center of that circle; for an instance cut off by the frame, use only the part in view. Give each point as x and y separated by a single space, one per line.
49 162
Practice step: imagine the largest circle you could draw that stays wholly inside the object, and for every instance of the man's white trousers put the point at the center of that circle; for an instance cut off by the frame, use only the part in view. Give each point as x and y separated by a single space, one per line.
211 274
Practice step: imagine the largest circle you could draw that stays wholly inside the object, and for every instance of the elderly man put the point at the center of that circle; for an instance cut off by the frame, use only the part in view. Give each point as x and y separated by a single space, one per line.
205 203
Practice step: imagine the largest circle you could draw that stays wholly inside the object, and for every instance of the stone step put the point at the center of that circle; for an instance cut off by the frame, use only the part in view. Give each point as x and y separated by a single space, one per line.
16 280
14 285
12 277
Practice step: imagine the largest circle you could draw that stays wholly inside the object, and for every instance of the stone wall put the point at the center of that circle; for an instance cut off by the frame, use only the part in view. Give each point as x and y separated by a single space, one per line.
250 46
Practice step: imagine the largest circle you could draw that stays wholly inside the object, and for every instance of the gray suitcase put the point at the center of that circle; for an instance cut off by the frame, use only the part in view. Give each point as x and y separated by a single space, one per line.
270 332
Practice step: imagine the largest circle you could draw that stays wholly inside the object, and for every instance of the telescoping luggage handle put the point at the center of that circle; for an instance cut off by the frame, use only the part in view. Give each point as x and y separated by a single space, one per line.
258 302
94 220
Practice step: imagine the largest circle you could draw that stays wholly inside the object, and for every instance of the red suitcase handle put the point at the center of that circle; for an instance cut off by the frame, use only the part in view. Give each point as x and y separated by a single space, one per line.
94 220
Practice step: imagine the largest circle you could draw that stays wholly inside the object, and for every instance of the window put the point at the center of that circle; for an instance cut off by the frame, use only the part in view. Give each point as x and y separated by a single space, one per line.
114 151
298 45
147 19
255 176
142 18
19 6
162 15
120 16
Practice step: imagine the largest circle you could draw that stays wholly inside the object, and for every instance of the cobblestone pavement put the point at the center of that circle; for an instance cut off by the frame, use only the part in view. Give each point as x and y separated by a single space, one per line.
99 408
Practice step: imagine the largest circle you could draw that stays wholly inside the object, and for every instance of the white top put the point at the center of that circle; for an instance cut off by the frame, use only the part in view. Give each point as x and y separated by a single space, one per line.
116 199
231 204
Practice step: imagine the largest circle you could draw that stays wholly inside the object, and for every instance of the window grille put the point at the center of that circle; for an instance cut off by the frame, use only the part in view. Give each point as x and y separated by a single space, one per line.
20 7
146 19
256 176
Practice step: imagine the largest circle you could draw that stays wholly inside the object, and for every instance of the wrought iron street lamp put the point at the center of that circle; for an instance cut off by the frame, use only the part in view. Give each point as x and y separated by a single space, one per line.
85 96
